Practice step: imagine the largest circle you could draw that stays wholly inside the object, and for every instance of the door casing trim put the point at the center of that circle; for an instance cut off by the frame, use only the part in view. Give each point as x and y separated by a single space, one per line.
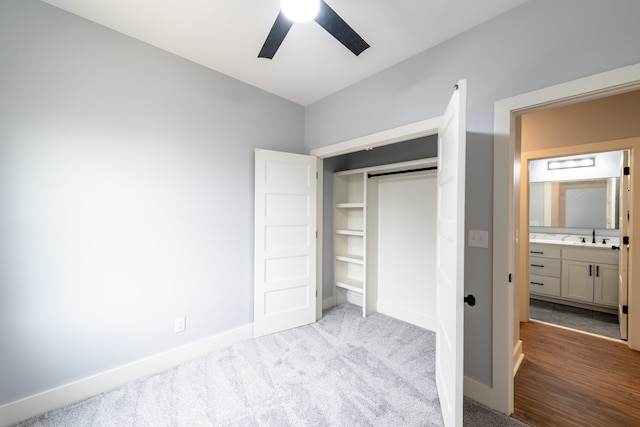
505 237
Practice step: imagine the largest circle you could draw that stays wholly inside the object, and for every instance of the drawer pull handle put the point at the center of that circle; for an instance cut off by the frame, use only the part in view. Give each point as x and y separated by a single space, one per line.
537 283
597 271
591 270
537 265
537 252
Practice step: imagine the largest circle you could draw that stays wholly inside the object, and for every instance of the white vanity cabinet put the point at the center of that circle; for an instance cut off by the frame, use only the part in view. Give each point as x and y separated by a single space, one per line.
544 269
582 276
590 275
577 280
605 285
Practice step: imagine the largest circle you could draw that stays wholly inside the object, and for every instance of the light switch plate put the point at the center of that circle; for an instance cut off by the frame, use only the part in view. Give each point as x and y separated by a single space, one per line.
479 238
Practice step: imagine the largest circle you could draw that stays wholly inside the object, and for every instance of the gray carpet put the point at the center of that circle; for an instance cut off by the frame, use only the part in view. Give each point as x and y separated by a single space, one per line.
343 370
477 415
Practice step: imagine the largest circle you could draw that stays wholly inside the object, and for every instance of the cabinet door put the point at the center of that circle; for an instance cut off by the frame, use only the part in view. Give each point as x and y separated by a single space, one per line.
577 280
605 285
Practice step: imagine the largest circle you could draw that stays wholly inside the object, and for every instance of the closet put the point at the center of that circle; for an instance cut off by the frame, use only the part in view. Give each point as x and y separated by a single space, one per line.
384 239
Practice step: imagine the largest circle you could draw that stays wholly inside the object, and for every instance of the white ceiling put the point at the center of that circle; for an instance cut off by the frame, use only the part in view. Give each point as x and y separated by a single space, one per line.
226 36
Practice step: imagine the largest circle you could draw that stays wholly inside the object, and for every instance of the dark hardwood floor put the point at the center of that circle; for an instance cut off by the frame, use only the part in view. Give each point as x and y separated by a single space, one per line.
572 379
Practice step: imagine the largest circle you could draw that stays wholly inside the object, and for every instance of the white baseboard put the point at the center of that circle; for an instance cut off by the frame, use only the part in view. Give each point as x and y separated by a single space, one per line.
518 357
408 316
73 392
354 298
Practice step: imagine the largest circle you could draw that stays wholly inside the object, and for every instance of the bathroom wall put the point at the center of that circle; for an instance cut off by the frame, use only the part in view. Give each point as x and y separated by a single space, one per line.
613 117
607 165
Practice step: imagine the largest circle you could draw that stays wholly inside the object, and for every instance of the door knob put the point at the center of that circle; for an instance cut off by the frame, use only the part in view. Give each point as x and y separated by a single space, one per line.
470 299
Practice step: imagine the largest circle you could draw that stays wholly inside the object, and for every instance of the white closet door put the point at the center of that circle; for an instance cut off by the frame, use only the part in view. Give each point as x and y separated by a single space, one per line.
450 257
285 241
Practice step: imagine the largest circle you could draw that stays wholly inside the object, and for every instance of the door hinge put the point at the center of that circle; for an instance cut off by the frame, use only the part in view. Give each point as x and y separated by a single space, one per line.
316 293
625 240
316 175
625 309
316 234
627 171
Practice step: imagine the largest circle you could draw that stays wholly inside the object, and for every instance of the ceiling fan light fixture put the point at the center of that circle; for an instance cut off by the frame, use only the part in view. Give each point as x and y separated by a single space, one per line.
300 10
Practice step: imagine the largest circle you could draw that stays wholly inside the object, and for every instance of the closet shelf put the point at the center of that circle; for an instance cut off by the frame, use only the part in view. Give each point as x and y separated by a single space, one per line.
356 259
349 240
350 232
349 205
349 284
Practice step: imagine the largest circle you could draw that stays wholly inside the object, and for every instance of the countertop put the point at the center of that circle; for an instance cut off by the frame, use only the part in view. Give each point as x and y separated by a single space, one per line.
574 241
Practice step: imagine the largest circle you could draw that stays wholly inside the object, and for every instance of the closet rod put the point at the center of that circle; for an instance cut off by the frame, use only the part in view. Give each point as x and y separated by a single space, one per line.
372 175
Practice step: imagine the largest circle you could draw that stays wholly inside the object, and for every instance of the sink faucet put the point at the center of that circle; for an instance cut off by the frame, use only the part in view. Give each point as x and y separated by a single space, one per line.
594 236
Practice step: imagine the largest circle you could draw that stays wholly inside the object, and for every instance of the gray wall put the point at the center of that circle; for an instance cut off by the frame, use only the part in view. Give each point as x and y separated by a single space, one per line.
539 44
126 174
126 197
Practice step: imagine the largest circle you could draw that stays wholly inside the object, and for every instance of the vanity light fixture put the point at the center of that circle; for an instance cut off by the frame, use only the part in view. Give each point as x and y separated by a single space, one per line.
584 162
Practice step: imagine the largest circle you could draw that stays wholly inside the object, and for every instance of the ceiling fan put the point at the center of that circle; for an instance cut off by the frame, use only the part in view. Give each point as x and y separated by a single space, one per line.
321 13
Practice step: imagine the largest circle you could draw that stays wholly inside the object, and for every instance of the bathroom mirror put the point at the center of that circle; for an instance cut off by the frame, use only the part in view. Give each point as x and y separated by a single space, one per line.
589 203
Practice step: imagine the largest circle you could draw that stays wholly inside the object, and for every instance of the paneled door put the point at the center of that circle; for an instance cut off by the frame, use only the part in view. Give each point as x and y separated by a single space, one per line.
285 241
450 256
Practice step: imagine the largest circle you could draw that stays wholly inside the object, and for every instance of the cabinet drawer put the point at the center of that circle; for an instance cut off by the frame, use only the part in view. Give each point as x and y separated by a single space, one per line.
599 256
544 285
544 251
544 266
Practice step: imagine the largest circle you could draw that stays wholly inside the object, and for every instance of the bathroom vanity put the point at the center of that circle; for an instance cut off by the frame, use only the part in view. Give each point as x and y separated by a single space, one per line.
574 273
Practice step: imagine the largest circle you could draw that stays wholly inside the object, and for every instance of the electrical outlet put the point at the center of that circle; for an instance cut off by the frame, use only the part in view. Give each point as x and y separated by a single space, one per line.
180 324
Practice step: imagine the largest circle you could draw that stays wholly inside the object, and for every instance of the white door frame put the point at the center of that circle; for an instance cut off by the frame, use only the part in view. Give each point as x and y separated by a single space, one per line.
386 137
390 136
428 127
506 351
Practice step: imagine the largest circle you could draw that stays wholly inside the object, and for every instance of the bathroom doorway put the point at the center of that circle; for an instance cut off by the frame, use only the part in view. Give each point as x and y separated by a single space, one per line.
575 253
573 133
507 242
576 136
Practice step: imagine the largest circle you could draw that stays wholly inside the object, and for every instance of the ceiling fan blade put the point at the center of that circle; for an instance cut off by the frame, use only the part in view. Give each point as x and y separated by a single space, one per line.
279 30
330 21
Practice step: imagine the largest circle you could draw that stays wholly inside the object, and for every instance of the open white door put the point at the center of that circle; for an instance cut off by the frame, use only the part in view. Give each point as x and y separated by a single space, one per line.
285 241
623 278
450 256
